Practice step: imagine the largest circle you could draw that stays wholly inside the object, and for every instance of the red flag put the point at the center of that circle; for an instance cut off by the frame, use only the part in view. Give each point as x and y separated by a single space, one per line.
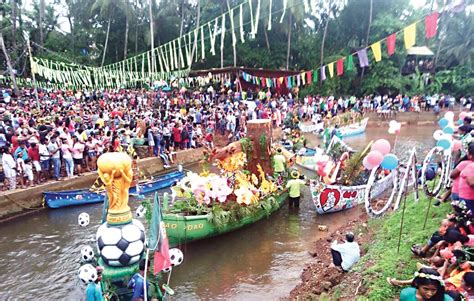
340 67
309 78
263 81
431 25
278 83
391 43
161 259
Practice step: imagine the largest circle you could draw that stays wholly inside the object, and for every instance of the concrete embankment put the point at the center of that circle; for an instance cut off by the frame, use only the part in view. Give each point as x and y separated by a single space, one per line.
22 201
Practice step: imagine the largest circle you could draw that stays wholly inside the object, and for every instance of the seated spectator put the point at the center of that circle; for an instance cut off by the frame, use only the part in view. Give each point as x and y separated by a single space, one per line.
346 254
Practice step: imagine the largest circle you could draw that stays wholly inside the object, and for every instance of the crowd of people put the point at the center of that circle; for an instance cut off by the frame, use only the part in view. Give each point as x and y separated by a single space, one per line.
61 135
449 254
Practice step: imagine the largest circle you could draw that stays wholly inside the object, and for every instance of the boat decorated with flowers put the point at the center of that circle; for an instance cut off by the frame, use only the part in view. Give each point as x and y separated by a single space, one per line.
209 204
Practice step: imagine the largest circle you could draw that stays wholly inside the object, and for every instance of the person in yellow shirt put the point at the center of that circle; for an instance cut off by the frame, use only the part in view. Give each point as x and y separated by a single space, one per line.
294 189
279 163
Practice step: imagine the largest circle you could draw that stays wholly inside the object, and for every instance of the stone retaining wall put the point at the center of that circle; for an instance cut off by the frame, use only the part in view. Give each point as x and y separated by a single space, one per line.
21 201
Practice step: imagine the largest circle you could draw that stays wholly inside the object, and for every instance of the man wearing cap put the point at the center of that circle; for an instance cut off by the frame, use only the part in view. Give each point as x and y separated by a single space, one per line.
93 290
294 187
347 254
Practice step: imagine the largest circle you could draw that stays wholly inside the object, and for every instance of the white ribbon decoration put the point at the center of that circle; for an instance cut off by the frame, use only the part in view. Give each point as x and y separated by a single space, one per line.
270 16
242 34
234 38
223 32
285 3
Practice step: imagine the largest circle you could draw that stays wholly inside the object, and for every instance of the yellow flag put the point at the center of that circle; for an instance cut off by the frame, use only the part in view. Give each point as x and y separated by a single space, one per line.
377 50
303 78
331 69
409 35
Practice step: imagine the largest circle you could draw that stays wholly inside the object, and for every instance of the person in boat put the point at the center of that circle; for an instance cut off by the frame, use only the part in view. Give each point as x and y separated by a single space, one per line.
136 283
427 285
294 186
279 163
94 290
345 254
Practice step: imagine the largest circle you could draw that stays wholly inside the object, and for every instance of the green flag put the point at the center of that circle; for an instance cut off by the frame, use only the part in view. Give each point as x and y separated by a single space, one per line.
349 63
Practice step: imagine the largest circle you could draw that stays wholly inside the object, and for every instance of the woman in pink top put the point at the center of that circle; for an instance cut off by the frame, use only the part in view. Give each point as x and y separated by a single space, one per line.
466 182
456 176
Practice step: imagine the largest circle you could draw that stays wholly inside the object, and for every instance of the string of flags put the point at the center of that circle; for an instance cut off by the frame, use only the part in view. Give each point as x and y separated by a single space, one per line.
347 63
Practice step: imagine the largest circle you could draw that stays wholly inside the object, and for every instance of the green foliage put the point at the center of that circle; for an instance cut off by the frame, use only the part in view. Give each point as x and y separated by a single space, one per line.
382 260
247 146
353 167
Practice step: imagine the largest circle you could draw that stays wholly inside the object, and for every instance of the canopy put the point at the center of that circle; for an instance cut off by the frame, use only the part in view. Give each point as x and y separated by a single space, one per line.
423 50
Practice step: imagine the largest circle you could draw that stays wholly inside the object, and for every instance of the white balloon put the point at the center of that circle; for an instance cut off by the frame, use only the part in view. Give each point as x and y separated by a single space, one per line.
438 134
391 130
392 123
449 115
447 137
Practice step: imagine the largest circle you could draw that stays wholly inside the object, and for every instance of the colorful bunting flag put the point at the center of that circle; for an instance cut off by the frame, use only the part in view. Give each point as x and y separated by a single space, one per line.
409 35
331 69
431 25
309 77
323 73
363 59
340 66
298 80
303 78
315 76
377 51
391 43
350 63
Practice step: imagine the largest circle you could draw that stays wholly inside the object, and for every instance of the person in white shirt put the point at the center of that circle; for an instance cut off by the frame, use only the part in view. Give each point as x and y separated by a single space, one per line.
345 254
9 167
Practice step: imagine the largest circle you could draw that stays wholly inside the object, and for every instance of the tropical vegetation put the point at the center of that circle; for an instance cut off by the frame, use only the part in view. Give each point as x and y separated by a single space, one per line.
100 32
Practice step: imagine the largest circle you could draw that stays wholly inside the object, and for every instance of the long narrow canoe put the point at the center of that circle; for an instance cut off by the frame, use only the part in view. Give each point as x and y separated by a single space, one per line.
183 229
352 129
59 199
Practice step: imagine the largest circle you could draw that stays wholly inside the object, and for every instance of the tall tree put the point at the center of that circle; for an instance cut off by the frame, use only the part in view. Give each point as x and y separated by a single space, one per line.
368 34
13 17
42 10
105 9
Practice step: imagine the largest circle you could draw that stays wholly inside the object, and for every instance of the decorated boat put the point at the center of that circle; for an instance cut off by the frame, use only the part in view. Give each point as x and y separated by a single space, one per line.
350 130
334 198
182 229
122 243
311 128
59 199
210 204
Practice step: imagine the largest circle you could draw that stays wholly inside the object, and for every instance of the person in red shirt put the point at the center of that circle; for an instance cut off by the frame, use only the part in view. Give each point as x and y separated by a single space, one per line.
177 136
33 154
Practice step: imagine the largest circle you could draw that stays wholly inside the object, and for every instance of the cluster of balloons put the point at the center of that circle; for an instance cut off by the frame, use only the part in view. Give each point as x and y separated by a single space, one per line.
444 137
324 165
380 156
394 127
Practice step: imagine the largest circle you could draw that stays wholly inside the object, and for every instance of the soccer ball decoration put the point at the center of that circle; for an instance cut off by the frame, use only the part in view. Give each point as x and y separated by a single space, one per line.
166 270
121 246
141 211
87 273
83 219
87 253
176 257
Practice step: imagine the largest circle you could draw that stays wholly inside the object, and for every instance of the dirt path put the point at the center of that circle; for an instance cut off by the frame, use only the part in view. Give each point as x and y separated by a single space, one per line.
318 278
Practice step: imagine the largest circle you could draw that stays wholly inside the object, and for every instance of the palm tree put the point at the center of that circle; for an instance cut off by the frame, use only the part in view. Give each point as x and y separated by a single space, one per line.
13 16
105 8
42 10
128 11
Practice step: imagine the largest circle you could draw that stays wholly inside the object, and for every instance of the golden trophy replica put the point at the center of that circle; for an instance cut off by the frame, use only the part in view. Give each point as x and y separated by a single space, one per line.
121 239
115 171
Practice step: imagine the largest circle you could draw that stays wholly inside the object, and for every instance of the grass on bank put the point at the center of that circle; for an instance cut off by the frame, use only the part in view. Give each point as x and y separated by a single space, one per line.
382 261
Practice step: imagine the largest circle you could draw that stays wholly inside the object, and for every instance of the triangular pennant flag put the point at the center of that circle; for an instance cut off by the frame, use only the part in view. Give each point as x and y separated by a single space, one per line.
340 67
363 59
281 79
409 35
331 69
309 77
431 25
323 73
377 51
391 43
315 76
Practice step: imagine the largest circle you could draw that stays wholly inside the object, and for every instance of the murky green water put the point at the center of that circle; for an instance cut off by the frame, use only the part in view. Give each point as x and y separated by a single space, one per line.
40 252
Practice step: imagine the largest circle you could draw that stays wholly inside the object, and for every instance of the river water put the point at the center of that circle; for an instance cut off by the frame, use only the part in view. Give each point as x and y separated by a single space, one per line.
40 252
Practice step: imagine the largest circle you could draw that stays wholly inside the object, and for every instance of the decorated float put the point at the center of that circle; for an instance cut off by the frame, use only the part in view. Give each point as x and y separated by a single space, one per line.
343 126
209 204
347 180
121 241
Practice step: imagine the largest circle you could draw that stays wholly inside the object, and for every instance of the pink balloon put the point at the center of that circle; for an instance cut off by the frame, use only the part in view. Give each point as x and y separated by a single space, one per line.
456 145
374 158
366 164
382 146
397 132
462 115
